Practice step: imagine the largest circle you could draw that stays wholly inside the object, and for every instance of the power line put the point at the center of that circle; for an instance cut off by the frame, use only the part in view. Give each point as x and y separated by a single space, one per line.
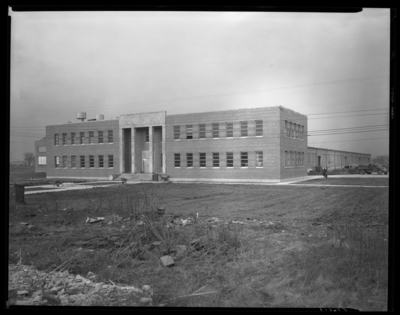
349 128
339 133
347 140
228 94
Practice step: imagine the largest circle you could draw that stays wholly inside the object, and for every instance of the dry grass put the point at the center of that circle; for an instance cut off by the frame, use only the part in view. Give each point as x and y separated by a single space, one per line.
228 265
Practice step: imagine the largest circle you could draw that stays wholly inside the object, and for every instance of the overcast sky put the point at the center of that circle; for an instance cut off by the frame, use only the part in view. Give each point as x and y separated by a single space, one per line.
116 63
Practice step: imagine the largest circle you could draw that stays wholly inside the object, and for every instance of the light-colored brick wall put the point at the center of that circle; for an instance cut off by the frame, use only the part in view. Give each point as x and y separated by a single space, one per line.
268 144
86 149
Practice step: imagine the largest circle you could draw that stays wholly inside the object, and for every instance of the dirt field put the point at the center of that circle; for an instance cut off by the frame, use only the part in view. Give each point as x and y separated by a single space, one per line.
292 246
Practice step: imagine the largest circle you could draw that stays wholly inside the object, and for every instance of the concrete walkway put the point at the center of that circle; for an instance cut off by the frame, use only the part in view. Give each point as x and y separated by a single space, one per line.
87 185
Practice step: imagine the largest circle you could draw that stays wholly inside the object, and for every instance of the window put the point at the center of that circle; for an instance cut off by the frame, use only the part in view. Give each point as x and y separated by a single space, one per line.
259 159
202 160
41 149
302 158
111 161
286 158
101 140
287 130
294 130
302 132
73 161
189 132
259 128
290 130
229 159
72 137
243 129
56 161
229 130
161 161
177 159
202 131
81 137
308 158
215 130
41 160
82 161
91 160
110 136
291 159
244 160
56 140
101 161
189 159
147 135
64 138
215 159
177 132
64 161
91 135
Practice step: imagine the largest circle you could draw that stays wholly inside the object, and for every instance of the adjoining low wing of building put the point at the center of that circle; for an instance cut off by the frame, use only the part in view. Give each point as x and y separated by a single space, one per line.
267 144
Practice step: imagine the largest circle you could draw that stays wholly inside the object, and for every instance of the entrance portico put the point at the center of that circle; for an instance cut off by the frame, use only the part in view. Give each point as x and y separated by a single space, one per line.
142 148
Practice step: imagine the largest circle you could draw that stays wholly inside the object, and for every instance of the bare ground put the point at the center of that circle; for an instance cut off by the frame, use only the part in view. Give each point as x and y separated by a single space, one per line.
300 246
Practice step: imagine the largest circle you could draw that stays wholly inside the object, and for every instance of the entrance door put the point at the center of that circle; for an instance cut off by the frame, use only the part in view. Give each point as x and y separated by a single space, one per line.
127 150
145 161
319 160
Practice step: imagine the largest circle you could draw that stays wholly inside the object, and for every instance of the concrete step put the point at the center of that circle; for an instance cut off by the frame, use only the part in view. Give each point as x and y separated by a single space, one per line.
136 177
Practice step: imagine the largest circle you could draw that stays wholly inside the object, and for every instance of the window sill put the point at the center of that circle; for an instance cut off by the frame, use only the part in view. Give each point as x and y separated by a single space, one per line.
189 167
244 167
215 167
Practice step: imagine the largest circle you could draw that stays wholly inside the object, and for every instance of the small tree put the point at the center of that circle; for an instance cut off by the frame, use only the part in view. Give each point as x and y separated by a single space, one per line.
29 158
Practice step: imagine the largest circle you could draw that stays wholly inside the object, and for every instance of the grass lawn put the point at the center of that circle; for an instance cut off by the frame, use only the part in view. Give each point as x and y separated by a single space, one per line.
291 246
373 181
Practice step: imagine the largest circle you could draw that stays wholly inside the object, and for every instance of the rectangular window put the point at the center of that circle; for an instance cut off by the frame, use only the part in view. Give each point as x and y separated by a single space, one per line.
73 161
101 140
291 159
243 129
290 130
294 130
147 135
177 132
72 137
177 159
215 159
82 161
244 159
101 161
81 137
259 159
111 161
259 128
41 149
229 130
215 130
302 132
64 161
41 160
229 159
91 160
287 128
91 136
202 131
202 160
302 158
189 159
189 132
56 140
57 161
308 158
286 158
64 138
110 136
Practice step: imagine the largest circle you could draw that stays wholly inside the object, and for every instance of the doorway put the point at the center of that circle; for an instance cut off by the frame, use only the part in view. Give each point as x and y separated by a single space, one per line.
145 162
127 150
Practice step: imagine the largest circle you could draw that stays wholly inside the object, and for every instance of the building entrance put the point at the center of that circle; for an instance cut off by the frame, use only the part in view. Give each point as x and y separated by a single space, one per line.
145 162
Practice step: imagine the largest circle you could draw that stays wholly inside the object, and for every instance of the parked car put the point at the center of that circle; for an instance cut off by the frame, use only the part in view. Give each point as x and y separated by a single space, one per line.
351 167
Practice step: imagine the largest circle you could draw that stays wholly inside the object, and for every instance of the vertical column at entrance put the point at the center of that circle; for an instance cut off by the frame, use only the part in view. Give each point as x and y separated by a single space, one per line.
121 151
133 135
151 150
164 157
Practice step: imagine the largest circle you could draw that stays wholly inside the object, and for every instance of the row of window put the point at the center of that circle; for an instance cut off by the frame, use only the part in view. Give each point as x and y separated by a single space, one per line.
78 138
294 158
216 158
81 161
244 130
293 130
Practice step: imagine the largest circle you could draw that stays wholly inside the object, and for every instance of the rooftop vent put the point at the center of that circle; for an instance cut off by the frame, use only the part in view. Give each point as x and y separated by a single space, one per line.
81 116
99 117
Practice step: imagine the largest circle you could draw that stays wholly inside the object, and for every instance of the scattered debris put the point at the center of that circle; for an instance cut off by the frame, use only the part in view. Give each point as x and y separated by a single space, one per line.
91 220
167 261
239 222
24 223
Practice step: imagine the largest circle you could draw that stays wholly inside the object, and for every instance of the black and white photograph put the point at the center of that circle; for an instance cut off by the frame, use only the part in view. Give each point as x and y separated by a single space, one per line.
199 158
